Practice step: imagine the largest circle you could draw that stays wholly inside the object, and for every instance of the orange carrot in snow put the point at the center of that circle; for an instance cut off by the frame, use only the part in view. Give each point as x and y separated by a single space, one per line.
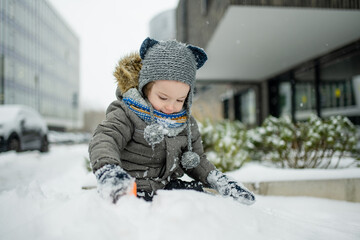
133 190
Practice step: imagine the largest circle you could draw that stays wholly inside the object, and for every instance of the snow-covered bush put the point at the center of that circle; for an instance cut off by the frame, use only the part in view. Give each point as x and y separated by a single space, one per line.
311 144
225 144
315 143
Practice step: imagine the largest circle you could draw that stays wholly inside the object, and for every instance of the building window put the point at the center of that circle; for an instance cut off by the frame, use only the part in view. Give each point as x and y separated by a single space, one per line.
285 99
305 99
337 87
237 107
305 96
337 94
248 107
226 108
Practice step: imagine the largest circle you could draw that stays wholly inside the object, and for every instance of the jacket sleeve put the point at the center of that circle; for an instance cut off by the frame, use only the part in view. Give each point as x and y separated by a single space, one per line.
201 172
110 137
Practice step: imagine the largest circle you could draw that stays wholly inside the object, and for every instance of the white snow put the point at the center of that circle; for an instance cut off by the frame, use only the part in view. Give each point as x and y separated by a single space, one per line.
41 197
255 172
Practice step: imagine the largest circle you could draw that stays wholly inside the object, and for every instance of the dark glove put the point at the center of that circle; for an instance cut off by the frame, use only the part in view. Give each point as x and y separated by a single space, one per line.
230 188
113 182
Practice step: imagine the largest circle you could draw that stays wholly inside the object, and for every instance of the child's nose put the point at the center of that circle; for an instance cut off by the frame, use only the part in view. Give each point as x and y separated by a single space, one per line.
169 108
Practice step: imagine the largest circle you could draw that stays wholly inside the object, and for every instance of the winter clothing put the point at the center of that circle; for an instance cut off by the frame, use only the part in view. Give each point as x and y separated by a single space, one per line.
121 138
171 60
229 188
113 182
174 184
144 112
179 184
136 141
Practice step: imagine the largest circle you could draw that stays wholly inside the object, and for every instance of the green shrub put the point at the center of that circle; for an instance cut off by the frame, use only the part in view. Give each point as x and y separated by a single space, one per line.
314 143
225 144
310 144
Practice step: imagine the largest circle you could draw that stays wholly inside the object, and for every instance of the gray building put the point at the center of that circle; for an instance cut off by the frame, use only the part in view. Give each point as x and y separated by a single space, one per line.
39 61
163 25
276 57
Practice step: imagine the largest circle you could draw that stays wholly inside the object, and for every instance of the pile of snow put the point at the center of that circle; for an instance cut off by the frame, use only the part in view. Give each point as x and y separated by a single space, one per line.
41 197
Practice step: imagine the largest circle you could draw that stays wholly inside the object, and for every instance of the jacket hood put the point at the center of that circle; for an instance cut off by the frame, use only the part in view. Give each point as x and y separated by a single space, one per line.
127 72
127 75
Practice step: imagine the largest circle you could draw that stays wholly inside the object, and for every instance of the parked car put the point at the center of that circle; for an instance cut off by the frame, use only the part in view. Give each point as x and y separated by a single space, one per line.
22 128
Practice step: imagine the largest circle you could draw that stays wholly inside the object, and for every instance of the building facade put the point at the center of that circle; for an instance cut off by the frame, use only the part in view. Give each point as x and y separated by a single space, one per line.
39 61
163 26
274 57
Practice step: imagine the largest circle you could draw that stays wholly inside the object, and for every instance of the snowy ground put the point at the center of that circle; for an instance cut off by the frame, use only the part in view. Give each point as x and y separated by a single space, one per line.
41 198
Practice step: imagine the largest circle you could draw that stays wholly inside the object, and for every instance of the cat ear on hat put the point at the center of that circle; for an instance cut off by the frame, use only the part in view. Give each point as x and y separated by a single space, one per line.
200 55
147 43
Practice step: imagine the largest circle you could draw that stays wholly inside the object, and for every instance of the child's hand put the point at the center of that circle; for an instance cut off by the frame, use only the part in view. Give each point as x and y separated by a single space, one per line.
240 193
114 182
229 188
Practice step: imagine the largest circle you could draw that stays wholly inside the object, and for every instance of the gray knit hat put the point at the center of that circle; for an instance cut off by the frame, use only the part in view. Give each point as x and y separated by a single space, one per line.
171 60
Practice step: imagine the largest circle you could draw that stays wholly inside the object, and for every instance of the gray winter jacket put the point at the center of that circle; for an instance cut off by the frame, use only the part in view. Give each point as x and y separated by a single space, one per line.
120 140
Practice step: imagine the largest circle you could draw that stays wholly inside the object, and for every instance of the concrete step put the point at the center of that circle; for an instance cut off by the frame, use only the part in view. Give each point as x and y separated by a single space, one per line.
347 189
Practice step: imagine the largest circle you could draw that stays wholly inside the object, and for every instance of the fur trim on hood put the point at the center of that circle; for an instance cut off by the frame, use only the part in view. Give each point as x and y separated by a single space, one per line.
127 72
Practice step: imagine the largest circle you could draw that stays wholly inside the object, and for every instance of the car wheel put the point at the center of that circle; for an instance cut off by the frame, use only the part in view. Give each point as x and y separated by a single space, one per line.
14 144
44 145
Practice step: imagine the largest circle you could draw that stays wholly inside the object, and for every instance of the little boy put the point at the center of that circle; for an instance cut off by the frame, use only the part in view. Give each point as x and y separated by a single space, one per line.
149 136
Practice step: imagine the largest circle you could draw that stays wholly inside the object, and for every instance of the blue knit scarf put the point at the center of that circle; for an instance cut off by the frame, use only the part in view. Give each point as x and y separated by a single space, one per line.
167 120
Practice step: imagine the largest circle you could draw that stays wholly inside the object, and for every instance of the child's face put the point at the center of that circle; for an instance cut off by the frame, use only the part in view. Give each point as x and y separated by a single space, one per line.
168 96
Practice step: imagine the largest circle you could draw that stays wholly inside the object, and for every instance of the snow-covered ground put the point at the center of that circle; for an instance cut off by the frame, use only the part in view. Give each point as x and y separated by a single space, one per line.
41 197
255 172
